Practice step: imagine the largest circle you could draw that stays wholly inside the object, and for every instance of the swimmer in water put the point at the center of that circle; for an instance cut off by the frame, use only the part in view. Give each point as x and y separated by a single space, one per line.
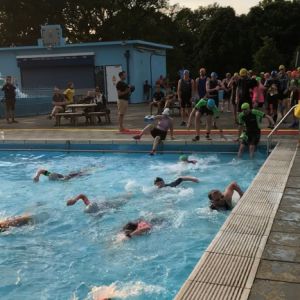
17 221
101 207
184 158
223 201
136 228
159 182
56 176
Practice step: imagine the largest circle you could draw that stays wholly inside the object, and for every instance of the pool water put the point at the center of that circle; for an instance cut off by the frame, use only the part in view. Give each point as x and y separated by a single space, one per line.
68 254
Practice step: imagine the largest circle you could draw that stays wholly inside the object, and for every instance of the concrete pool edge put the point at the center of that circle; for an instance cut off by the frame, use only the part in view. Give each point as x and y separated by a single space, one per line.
122 146
228 267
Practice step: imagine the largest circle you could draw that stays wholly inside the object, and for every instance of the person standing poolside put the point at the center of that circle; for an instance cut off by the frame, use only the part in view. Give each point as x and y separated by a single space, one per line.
223 201
15 222
159 132
203 107
249 119
124 91
244 86
56 176
69 93
200 84
160 183
185 90
10 100
101 207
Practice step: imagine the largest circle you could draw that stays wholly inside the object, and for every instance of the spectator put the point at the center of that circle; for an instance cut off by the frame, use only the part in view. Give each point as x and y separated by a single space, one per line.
124 91
59 103
69 93
227 91
157 100
233 84
185 90
244 85
10 100
200 84
101 102
146 90
258 94
213 85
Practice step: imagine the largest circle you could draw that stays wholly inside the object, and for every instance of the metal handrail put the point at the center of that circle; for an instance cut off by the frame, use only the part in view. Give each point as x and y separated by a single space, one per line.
269 138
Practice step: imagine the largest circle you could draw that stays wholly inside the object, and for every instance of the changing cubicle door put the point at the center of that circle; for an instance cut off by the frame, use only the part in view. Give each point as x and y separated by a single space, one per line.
112 77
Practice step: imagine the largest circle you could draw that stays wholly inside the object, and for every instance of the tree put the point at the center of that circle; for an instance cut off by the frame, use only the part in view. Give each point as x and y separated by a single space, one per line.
267 57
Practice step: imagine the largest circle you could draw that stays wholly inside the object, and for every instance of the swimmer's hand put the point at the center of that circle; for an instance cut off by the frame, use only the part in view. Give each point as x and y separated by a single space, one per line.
71 202
36 178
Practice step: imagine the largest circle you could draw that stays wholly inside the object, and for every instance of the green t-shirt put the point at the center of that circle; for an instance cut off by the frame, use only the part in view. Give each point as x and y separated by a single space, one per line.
253 120
203 103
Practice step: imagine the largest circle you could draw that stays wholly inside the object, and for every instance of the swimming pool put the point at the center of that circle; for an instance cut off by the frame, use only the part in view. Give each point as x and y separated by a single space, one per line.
67 252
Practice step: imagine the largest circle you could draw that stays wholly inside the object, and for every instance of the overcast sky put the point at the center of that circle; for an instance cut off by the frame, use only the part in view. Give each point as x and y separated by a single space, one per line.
240 6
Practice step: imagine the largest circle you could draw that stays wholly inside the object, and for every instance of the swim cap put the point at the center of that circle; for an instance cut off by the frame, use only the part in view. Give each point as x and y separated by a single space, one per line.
214 74
245 106
211 103
281 67
158 179
186 72
273 73
183 157
166 112
258 78
243 72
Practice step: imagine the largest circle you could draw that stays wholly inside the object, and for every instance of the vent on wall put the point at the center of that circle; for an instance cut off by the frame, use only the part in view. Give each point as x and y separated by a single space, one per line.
51 35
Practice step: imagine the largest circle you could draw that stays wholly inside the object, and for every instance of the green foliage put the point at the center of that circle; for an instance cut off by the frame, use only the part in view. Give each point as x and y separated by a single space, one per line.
213 36
267 57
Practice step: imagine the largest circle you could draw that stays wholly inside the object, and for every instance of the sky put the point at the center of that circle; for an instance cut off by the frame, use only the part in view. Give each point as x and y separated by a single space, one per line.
240 6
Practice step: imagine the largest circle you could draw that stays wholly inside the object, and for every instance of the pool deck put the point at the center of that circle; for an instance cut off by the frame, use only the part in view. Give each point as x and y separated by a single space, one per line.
256 254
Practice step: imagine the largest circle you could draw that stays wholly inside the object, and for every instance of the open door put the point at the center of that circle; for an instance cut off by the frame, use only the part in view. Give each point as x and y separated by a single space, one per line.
112 77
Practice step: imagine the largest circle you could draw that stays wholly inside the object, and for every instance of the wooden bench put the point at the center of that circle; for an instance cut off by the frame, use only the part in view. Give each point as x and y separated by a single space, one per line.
92 115
73 116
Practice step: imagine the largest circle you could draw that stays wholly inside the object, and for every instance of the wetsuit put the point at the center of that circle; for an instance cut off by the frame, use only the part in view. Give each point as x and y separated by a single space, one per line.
175 182
186 93
251 121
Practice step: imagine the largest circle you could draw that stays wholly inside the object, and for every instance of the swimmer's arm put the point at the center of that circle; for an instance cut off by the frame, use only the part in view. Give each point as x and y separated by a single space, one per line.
140 231
189 178
233 186
190 117
38 174
192 161
82 197
171 129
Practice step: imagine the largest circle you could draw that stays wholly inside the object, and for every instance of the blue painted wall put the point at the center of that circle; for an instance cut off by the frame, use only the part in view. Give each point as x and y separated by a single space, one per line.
105 54
31 106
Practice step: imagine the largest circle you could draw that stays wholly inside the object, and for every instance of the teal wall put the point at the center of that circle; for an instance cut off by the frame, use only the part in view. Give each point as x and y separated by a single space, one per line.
105 54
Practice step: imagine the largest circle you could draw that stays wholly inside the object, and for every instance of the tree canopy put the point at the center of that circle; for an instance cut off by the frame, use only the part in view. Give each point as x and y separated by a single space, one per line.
213 36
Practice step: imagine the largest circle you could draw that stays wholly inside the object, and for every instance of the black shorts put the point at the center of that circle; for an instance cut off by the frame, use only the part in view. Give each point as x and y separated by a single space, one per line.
185 102
253 138
10 104
157 132
205 111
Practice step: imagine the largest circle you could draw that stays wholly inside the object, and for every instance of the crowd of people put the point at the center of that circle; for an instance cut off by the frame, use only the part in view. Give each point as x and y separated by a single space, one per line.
248 95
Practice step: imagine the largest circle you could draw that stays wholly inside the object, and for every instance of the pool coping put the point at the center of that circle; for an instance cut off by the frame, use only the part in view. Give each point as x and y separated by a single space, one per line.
228 266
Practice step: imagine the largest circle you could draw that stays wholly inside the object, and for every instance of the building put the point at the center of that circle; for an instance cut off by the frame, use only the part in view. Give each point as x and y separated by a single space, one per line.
53 62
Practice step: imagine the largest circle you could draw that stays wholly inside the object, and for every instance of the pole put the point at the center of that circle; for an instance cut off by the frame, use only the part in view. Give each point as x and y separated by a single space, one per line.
297 57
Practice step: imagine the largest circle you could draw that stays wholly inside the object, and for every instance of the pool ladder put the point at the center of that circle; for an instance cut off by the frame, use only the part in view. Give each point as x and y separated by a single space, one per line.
269 138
